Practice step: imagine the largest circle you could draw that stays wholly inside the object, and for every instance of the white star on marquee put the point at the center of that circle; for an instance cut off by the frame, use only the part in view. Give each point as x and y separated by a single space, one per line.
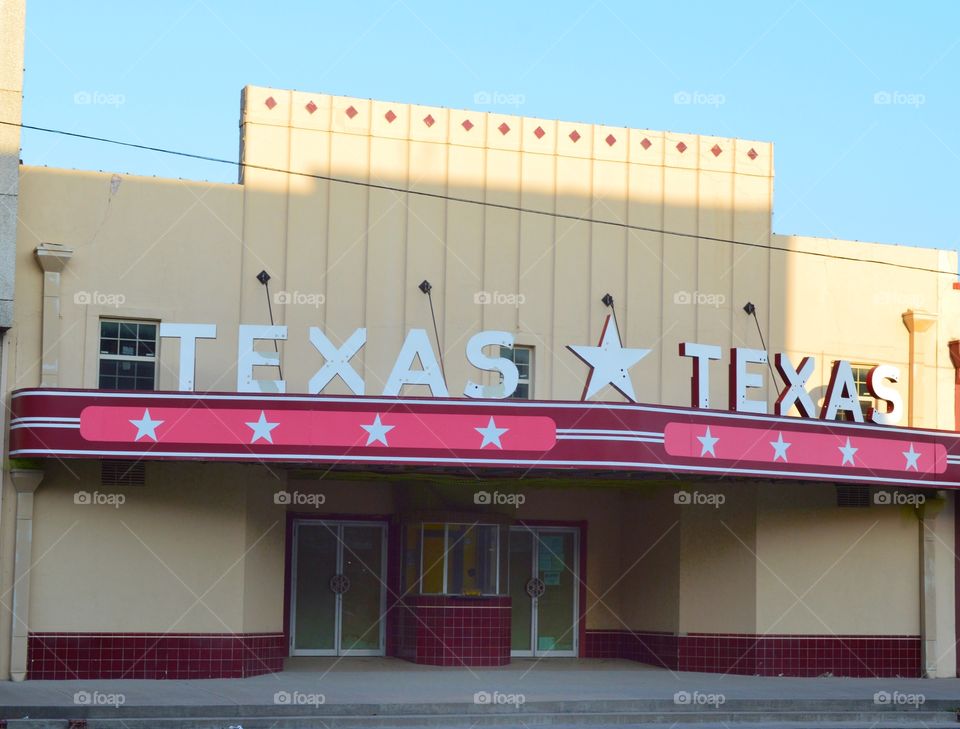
261 429
491 434
780 447
146 427
609 363
848 452
707 442
377 431
912 457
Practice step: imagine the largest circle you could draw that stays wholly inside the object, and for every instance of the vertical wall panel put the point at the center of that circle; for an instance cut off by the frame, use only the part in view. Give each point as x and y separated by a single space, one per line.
535 279
385 292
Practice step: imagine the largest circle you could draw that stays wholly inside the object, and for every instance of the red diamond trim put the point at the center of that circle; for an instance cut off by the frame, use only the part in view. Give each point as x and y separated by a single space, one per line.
270 102
390 116
716 150
681 147
646 143
429 120
504 128
310 107
752 154
467 124
351 112
538 132
611 140
575 136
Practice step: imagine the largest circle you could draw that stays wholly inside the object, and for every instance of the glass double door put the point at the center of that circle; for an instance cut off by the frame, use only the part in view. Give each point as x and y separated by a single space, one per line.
544 590
338 596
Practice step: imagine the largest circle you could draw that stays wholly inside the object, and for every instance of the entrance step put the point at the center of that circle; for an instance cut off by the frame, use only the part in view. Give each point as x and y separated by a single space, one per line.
782 714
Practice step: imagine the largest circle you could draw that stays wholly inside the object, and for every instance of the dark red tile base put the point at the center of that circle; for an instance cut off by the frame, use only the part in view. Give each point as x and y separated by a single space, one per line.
452 631
153 655
864 656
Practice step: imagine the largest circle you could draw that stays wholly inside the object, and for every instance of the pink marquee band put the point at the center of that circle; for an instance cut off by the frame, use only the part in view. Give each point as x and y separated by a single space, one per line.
527 435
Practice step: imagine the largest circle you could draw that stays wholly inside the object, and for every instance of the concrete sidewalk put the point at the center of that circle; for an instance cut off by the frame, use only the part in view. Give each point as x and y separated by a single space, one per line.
383 693
380 681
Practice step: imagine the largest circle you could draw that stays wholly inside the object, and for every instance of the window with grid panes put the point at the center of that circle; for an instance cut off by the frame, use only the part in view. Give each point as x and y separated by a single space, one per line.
860 372
522 357
128 355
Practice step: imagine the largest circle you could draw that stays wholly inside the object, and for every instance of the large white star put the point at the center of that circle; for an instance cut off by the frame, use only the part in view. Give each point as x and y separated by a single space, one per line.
261 429
491 434
780 447
377 431
707 442
609 363
146 427
848 451
912 457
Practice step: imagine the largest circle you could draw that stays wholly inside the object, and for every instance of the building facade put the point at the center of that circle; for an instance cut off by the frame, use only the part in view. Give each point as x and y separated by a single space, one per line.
460 387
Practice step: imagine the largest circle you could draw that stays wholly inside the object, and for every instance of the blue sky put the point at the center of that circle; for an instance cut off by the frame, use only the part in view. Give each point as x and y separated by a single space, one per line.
860 98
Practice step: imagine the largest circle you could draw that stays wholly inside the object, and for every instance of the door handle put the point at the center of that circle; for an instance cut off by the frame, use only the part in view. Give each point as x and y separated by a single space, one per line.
339 584
535 587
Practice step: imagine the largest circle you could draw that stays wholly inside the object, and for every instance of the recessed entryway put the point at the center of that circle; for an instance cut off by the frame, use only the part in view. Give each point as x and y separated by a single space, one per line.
544 590
338 595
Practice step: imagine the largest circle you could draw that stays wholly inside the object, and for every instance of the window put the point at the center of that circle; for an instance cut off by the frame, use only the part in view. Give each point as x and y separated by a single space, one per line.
128 355
460 559
860 372
522 357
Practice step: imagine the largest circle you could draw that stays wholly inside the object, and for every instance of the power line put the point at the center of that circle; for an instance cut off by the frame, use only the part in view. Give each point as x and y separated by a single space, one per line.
484 203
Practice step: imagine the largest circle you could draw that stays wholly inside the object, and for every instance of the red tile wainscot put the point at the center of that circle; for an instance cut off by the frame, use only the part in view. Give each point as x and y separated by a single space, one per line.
864 656
454 631
153 655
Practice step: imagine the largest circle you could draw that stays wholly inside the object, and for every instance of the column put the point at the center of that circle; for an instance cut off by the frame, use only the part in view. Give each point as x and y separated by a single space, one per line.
918 323
52 258
25 482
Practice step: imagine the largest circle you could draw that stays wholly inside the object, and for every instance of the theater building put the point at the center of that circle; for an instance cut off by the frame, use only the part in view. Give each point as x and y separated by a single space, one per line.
460 387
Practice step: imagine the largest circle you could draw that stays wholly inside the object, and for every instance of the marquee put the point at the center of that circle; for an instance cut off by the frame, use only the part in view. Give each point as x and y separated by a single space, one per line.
471 434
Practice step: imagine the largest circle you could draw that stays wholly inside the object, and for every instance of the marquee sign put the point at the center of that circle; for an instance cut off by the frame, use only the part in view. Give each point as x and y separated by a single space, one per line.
609 364
463 433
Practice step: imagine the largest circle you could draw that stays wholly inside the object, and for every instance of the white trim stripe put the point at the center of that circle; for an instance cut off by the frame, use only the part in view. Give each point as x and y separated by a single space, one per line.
349 459
600 431
35 426
45 419
629 439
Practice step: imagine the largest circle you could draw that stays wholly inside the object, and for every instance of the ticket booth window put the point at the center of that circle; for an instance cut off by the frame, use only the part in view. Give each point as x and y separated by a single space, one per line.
455 559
